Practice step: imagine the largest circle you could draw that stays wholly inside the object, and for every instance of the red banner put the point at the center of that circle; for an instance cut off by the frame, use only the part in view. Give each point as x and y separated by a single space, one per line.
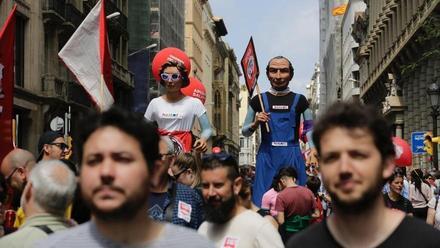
7 40
104 50
249 64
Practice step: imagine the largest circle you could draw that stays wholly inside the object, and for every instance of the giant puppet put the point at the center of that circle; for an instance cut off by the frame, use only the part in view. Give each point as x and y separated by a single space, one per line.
174 112
280 109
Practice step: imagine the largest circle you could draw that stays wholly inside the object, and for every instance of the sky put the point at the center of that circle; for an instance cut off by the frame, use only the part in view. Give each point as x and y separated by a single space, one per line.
280 27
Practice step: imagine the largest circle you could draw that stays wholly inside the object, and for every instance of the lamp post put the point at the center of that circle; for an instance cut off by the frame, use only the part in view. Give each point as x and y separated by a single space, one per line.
143 49
434 95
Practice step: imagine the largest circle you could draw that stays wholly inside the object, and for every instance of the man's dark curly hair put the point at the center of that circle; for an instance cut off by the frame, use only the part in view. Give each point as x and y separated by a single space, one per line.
355 115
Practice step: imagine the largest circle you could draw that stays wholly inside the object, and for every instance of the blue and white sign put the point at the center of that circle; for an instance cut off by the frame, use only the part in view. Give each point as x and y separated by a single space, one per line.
417 145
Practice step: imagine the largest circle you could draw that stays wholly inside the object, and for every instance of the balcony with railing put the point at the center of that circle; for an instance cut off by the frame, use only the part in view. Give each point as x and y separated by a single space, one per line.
53 11
118 24
122 74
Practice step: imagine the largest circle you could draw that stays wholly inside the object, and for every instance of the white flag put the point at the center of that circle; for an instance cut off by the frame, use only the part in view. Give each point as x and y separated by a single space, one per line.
87 57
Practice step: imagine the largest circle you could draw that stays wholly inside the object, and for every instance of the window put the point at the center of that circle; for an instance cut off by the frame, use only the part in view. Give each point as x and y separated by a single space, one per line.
241 142
217 99
20 27
217 122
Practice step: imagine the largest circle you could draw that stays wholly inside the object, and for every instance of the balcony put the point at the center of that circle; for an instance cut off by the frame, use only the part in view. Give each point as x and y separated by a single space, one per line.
53 87
74 17
118 24
53 11
122 74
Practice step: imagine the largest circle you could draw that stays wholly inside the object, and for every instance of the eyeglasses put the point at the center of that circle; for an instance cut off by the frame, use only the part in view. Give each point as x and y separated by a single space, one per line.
177 175
8 178
170 77
62 146
281 70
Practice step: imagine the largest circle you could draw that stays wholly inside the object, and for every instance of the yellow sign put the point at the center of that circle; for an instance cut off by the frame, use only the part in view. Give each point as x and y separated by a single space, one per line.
339 10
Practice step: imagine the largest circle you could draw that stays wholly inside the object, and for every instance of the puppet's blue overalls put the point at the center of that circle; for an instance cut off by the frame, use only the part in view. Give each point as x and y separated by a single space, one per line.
278 149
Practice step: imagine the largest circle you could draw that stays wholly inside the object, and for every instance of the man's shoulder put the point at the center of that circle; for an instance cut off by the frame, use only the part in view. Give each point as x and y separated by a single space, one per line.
22 237
76 235
187 192
250 219
413 232
156 100
290 190
178 236
315 235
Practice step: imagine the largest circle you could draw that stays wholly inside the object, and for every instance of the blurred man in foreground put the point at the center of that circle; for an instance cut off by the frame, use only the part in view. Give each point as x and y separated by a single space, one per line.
356 155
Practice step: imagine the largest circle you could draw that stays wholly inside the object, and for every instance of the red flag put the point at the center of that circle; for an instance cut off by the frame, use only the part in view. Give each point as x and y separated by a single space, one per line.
87 56
250 68
7 40
106 59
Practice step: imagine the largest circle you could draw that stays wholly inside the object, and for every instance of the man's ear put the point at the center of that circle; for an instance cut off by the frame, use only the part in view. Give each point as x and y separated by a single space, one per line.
46 148
27 192
388 167
22 173
237 185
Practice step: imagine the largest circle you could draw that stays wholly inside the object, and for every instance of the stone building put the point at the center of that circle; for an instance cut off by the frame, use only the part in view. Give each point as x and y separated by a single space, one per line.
167 29
248 145
313 91
398 58
330 56
214 63
350 69
44 88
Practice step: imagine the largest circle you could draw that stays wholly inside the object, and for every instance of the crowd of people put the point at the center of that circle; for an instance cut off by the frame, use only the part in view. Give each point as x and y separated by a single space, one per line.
146 181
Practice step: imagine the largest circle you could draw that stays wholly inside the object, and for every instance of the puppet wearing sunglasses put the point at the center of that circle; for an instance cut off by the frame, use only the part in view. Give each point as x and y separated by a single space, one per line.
174 112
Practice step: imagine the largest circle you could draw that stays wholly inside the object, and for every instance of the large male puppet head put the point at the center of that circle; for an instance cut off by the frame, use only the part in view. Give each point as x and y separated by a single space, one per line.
279 71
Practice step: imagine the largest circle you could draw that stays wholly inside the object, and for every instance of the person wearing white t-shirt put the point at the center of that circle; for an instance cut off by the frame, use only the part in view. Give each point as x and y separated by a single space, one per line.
433 217
228 223
175 113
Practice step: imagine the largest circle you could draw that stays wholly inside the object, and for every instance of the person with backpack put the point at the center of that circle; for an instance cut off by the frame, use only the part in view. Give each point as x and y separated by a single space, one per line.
419 194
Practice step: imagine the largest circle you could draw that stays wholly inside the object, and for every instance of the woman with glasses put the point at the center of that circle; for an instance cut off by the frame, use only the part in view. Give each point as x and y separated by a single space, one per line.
174 112
186 170
393 198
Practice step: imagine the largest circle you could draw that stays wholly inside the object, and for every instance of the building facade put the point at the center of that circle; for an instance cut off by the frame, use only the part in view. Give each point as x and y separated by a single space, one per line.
44 88
167 29
350 69
330 55
398 58
248 145
313 91
139 45
214 63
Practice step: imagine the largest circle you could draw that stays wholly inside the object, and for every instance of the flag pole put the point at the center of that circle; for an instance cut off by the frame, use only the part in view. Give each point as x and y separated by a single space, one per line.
261 104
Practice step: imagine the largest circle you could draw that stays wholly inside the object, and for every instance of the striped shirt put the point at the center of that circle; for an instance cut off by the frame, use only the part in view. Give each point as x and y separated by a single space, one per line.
88 235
